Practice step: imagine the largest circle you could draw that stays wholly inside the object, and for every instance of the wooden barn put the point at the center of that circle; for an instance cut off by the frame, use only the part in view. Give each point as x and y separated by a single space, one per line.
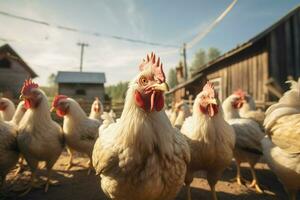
81 85
13 72
259 66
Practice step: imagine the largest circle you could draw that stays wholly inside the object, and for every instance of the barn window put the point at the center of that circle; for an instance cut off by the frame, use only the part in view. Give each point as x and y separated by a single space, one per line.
80 92
217 82
4 63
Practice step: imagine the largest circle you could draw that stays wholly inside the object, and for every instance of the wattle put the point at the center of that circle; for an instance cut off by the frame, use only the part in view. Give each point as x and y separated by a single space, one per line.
27 104
159 101
237 105
60 113
144 102
210 110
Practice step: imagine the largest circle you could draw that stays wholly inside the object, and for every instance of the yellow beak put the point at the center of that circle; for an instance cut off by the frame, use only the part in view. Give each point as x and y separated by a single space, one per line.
161 87
213 101
21 97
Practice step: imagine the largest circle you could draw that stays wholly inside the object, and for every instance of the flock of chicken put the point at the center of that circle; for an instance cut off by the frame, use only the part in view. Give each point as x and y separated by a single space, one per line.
149 153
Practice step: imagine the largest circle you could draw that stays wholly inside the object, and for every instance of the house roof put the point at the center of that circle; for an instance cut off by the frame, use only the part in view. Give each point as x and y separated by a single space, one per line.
10 53
80 77
250 42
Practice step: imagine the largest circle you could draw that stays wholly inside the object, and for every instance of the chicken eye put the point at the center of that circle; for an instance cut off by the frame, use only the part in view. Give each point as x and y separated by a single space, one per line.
143 80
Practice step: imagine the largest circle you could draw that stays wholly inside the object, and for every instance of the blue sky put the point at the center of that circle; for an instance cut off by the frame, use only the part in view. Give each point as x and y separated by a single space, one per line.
47 49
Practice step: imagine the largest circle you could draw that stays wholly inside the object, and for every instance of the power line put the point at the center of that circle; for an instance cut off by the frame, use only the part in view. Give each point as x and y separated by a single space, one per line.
202 34
96 34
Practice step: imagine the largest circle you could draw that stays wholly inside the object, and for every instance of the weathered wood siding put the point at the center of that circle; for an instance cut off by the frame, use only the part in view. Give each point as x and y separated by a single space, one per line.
284 48
91 90
12 78
249 74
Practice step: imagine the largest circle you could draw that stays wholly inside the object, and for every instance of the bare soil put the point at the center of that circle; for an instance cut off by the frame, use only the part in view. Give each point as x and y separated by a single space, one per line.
75 184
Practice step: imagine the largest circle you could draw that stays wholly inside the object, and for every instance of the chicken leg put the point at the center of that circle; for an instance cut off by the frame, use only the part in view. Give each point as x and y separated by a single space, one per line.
212 178
70 163
239 178
213 193
254 183
189 195
90 164
48 180
292 194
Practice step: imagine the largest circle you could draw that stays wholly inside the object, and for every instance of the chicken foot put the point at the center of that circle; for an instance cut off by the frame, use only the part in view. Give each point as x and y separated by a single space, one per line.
254 183
239 179
48 181
31 185
20 167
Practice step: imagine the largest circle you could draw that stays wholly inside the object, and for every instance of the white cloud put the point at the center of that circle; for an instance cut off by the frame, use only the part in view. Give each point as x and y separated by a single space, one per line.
47 49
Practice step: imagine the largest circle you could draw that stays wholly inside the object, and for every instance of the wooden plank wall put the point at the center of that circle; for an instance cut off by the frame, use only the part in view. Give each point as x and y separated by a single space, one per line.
284 50
249 74
12 79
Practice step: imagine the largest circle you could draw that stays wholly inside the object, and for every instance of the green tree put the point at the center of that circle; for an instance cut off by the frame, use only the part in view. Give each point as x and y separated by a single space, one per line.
199 60
213 53
51 79
202 57
172 79
117 92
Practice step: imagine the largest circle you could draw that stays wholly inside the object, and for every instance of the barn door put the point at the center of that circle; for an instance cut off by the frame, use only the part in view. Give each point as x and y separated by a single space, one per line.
217 82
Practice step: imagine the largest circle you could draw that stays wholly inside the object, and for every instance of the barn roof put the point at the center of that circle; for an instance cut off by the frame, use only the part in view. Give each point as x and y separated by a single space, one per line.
248 43
239 48
80 77
10 53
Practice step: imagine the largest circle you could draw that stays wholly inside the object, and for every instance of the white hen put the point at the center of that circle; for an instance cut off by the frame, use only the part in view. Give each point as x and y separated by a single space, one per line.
7 109
248 137
211 139
282 145
142 156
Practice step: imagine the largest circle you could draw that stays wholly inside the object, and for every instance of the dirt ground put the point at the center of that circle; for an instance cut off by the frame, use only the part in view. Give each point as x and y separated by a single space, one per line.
76 185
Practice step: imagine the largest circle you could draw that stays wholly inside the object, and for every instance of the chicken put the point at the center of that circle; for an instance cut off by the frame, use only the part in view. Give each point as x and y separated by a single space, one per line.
248 110
80 131
18 115
211 139
183 112
248 135
14 122
142 156
282 145
9 153
8 142
172 114
39 137
112 114
7 109
107 120
96 109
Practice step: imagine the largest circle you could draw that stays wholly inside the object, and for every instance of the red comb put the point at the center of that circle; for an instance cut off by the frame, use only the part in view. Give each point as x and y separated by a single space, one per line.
28 85
57 98
240 93
156 66
209 87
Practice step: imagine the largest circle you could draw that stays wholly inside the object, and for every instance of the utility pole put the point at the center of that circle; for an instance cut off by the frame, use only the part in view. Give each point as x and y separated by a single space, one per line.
82 45
185 70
